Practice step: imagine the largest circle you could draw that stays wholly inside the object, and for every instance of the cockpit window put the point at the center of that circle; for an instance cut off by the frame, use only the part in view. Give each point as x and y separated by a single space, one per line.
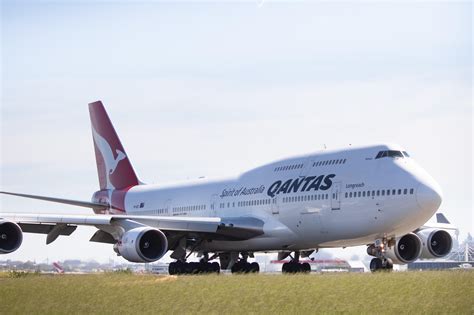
406 154
390 153
395 154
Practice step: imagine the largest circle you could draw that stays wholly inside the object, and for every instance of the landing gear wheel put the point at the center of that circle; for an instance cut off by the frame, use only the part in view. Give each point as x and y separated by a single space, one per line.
239 267
254 267
376 264
172 268
306 267
215 267
388 265
245 267
178 268
295 267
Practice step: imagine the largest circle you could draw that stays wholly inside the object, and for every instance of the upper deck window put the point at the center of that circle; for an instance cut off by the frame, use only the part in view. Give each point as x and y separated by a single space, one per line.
389 153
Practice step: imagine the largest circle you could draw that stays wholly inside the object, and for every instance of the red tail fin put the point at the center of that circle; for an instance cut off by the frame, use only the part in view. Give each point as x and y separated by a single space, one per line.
113 166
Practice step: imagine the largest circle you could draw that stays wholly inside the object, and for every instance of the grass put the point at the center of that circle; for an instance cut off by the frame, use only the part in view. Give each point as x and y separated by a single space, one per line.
398 292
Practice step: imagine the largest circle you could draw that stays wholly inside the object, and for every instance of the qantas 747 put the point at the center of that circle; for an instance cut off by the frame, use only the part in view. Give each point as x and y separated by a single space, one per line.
373 195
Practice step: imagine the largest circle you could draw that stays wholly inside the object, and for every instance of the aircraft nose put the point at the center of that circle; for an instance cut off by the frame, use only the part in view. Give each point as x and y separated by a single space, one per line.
428 196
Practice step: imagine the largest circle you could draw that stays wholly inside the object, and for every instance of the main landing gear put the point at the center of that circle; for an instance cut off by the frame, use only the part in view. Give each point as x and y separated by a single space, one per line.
294 266
243 266
182 268
380 262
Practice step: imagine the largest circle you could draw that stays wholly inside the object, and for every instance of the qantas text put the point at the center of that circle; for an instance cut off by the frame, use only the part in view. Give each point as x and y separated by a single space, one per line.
301 184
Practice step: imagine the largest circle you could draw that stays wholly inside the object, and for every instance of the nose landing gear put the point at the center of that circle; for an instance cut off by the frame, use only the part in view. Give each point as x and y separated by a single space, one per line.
380 262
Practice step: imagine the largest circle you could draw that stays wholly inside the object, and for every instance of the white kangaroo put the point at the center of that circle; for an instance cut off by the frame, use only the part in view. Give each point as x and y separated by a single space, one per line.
106 151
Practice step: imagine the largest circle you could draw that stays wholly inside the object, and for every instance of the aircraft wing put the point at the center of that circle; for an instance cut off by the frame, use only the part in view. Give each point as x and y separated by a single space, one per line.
236 228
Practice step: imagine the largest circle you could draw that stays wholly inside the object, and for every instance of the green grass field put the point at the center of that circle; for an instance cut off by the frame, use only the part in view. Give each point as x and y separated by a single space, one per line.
398 292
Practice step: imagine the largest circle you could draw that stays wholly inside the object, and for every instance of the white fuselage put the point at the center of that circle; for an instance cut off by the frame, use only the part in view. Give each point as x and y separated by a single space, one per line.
334 198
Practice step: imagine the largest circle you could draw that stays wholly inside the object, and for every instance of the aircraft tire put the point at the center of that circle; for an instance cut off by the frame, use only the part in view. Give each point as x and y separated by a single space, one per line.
172 268
215 267
254 267
376 264
306 267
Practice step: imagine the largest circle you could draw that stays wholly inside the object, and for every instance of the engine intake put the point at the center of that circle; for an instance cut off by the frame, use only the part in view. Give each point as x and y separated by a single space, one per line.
406 249
436 243
143 244
11 237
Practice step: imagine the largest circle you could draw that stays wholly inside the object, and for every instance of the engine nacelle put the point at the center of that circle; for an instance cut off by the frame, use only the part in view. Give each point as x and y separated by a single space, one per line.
406 249
436 243
142 244
11 237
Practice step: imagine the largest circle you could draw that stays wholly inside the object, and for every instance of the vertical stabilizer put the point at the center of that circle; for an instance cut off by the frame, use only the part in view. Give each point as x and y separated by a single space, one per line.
113 166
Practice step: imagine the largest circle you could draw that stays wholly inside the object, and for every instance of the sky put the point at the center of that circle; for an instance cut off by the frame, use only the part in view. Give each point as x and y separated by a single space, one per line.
213 89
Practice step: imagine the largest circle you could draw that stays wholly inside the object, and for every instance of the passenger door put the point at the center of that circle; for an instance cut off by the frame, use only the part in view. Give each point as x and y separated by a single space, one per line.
336 196
213 206
275 208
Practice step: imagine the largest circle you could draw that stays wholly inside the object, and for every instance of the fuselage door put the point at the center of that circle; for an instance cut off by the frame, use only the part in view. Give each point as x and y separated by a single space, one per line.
275 209
308 163
336 196
214 205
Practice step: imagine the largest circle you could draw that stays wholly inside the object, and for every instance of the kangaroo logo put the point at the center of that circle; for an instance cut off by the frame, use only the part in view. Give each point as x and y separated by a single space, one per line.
111 162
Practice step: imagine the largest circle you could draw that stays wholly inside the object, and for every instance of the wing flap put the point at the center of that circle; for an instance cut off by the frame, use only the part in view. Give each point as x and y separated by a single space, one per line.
45 228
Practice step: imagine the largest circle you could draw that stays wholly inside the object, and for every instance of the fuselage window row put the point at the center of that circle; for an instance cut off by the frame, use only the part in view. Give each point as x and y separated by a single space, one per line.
189 208
305 198
247 203
329 162
383 192
289 167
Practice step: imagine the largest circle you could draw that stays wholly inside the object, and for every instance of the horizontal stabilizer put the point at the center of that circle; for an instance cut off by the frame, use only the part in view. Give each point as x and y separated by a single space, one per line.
86 204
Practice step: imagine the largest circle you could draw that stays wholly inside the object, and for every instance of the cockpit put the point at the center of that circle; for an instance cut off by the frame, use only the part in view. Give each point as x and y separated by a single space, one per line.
392 154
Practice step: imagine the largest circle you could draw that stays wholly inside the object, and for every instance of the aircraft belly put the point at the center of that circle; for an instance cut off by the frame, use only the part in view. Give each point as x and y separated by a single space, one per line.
256 244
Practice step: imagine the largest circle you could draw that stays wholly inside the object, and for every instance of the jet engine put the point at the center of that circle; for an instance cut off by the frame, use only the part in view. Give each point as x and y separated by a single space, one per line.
11 237
406 249
142 244
436 243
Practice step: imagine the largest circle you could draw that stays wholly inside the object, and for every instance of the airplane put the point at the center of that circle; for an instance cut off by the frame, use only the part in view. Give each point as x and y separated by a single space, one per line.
374 195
